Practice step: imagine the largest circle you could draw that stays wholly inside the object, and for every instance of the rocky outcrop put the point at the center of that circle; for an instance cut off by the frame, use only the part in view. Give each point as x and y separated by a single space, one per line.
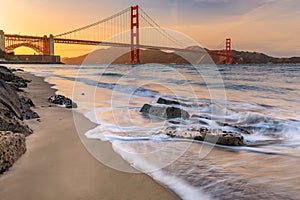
201 127
12 146
62 100
8 122
165 112
8 76
27 113
13 110
207 135
199 119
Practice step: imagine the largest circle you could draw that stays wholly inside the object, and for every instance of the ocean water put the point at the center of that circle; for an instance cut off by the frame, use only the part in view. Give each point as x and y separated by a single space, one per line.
262 99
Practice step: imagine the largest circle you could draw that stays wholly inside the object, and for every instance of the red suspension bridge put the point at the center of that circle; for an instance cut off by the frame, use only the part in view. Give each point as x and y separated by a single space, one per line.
129 28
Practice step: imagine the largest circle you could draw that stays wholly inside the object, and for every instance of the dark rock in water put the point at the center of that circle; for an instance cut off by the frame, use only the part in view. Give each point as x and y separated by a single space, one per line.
62 100
173 112
165 112
201 120
167 101
12 146
208 135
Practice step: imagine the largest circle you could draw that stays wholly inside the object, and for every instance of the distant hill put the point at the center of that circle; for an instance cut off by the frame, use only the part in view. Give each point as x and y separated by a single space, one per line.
112 55
116 56
243 57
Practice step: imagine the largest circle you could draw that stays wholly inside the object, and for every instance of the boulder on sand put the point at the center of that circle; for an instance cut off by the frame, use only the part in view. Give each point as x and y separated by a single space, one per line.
165 112
62 100
12 146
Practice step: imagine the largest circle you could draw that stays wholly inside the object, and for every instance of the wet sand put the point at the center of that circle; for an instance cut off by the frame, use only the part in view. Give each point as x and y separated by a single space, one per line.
57 165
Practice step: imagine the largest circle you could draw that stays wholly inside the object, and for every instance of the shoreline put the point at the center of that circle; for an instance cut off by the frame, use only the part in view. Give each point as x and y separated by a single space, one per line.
29 62
58 166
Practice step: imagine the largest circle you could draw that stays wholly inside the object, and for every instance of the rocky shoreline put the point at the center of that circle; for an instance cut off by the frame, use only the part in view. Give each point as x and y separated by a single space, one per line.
15 107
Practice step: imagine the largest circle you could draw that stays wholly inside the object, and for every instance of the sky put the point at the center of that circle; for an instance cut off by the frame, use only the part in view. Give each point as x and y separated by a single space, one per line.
268 26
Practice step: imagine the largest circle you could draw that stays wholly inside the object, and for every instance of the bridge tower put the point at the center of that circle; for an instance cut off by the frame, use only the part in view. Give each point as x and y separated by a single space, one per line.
134 23
2 41
48 45
228 51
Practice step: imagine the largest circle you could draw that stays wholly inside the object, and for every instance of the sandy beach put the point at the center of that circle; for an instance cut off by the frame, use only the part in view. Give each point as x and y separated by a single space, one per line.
57 165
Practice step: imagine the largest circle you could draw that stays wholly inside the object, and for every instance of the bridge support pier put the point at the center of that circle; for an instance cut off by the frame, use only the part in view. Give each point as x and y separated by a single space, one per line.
2 41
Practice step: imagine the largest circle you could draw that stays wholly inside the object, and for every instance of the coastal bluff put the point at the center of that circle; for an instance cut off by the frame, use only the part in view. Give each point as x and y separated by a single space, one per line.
14 109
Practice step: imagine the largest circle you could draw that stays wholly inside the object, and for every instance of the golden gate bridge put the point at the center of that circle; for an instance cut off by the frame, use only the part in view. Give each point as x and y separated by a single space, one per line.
122 29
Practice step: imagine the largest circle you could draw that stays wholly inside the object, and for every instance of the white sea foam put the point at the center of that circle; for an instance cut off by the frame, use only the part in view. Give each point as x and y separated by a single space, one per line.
176 184
180 187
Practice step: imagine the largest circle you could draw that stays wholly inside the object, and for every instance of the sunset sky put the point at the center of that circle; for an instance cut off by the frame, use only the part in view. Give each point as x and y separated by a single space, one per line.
269 26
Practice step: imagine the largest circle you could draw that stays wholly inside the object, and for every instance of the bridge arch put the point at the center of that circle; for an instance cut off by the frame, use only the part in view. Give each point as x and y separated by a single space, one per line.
35 47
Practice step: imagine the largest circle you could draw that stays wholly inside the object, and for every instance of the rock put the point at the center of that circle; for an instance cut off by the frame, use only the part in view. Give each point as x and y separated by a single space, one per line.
170 101
16 70
167 101
27 101
13 110
10 99
4 69
12 146
62 100
27 113
8 76
9 122
20 83
203 120
165 112
208 135
20 106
